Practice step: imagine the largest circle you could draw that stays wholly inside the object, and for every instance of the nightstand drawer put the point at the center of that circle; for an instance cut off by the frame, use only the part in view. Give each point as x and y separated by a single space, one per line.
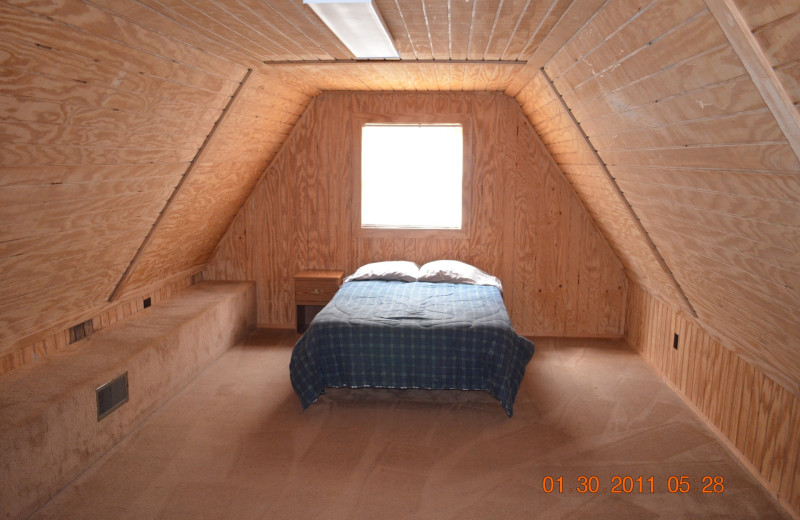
311 292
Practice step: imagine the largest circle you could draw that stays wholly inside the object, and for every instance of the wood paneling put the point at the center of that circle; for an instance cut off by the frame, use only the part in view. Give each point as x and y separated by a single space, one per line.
681 124
249 32
223 175
759 66
99 118
757 417
566 20
585 173
774 25
392 75
525 224
56 337
104 104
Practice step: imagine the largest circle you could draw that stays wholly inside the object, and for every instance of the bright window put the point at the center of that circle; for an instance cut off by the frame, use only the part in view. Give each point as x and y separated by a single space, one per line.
411 176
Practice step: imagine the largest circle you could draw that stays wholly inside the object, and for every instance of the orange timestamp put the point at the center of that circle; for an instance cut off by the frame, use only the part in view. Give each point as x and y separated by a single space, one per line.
630 484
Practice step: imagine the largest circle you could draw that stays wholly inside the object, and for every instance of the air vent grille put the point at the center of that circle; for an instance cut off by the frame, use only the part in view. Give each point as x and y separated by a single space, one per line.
80 331
112 395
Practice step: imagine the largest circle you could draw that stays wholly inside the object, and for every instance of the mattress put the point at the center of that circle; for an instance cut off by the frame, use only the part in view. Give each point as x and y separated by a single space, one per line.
392 334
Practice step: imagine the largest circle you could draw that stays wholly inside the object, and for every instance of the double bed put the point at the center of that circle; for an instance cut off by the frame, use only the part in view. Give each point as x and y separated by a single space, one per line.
434 328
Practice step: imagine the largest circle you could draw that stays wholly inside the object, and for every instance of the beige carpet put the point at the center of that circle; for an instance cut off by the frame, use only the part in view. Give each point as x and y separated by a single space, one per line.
235 444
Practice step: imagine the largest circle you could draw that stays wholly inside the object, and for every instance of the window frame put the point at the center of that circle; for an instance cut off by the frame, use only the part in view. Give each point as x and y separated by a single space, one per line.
362 119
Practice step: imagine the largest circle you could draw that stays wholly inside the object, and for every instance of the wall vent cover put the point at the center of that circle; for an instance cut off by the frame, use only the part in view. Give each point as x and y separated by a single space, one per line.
80 331
112 395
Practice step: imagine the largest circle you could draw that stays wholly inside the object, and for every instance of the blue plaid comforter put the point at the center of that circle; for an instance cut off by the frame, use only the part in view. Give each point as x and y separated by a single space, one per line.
387 334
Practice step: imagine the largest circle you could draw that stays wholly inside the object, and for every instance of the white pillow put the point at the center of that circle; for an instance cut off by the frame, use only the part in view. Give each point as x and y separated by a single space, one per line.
453 271
393 270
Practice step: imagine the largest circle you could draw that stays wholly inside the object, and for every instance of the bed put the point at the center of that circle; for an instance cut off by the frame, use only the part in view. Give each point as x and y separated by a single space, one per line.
409 329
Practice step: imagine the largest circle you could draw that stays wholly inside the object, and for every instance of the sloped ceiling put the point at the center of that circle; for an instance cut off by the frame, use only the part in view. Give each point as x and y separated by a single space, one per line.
677 104
132 132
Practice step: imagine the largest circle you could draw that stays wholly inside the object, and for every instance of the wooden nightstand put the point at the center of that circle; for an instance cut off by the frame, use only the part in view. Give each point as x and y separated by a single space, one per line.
312 290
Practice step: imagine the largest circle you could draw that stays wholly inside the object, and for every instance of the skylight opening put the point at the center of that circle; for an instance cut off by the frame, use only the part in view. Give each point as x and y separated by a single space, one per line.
412 176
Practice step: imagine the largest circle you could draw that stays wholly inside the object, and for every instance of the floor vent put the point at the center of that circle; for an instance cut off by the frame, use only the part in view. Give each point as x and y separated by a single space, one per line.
112 395
80 331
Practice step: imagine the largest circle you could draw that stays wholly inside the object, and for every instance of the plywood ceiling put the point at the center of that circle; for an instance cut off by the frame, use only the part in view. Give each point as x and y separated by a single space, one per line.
131 133
283 30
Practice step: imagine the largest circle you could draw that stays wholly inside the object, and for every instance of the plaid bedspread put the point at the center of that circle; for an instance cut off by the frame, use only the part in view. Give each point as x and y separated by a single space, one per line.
411 335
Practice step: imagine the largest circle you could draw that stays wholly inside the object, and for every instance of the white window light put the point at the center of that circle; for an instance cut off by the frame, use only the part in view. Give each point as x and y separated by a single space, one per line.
411 176
359 25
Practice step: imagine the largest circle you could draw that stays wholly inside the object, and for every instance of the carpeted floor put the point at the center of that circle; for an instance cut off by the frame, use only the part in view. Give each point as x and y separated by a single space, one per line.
234 444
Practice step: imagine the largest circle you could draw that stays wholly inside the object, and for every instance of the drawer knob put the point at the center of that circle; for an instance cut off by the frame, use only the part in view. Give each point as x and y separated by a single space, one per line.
316 291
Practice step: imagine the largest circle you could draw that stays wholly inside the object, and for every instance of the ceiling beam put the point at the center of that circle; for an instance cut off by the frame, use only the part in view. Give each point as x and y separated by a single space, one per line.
758 66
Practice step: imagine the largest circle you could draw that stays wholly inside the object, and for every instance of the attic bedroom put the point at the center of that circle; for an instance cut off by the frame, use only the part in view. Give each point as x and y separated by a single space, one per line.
174 175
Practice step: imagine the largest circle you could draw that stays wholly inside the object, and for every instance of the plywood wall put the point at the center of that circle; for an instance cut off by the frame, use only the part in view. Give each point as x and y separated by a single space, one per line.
526 224
245 139
586 173
758 417
397 75
676 117
776 26
128 144
46 342
97 126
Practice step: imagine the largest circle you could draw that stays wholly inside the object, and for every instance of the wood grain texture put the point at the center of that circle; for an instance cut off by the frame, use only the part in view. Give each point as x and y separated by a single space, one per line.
756 416
223 177
200 157
103 104
568 18
760 65
589 180
99 118
247 32
17 352
675 113
392 75
581 144
566 280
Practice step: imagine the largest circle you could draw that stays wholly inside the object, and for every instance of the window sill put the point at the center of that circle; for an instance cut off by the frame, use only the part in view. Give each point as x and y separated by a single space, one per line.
386 232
